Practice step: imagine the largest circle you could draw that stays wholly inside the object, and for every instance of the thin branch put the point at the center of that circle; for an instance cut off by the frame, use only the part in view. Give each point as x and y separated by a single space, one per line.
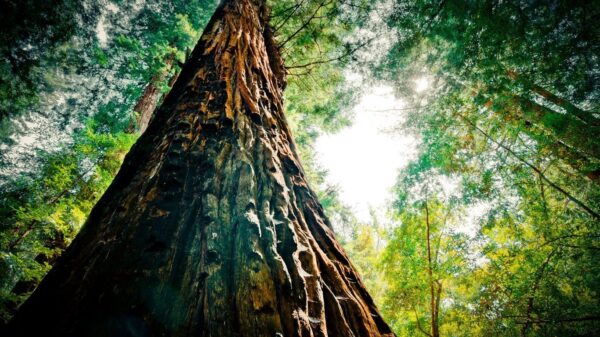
400 109
536 285
419 323
558 320
578 247
537 170
321 5
58 197
284 21
559 238
435 15
333 59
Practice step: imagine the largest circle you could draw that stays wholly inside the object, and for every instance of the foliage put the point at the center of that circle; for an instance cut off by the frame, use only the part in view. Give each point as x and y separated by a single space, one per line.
509 126
41 216
496 219
315 42
529 66
29 29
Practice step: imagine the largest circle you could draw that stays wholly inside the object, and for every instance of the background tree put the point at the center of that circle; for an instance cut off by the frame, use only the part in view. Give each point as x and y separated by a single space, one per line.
510 117
528 66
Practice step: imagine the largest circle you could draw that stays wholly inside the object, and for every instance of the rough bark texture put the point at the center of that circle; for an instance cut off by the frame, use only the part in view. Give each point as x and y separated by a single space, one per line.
209 229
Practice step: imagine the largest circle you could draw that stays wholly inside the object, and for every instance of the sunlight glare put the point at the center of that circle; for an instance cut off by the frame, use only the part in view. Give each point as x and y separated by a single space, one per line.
364 158
421 84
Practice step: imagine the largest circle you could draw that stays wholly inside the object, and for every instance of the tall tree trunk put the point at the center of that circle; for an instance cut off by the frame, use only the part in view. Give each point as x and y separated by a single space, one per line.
563 127
434 301
210 228
145 106
585 116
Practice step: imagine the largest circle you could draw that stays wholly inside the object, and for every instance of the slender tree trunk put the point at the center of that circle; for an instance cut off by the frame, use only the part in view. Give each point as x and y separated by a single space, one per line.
563 127
147 103
530 300
438 294
583 163
538 171
577 162
585 116
434 301
210 228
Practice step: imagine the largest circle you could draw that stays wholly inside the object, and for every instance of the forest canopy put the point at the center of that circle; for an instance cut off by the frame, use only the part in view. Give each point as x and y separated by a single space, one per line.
492 227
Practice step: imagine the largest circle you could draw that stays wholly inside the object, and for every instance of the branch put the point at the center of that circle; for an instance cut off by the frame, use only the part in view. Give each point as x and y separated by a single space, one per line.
578 247
79 178
537 170
338 58
435 15
419 323
561 238
294 8
563 320
321 5
536 285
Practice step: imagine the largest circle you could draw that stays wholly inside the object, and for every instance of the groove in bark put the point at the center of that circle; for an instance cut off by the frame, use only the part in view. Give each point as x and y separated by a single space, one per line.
210 228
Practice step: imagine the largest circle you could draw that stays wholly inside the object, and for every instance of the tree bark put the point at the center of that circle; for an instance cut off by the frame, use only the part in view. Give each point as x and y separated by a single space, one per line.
210 228
434 295
585 116
146 105
563 127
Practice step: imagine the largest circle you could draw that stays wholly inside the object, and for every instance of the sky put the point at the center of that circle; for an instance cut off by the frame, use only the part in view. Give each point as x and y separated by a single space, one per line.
363 159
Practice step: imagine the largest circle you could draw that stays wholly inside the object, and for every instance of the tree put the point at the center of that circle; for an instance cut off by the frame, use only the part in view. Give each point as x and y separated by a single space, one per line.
425 264
87 74
210 227
42 210
27 31
530 264
528 67
41 216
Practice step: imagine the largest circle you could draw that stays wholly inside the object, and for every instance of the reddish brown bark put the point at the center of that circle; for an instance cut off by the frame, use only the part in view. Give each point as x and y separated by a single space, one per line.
533 114
585 116
146 105
210 228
